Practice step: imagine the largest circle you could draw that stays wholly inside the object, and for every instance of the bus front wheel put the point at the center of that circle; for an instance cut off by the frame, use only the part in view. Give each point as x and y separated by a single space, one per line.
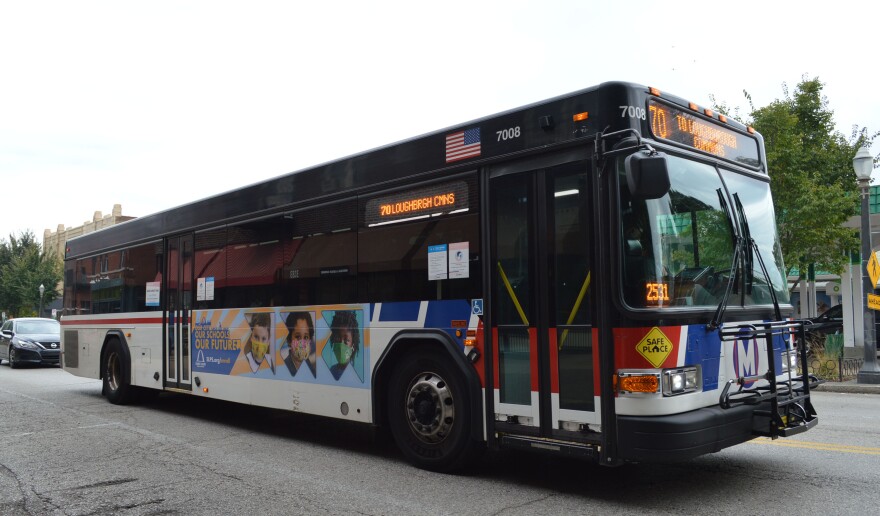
429 412
116 386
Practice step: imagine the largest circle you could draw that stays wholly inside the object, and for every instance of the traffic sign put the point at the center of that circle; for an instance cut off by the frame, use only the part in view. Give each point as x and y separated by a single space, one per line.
873 302
874 269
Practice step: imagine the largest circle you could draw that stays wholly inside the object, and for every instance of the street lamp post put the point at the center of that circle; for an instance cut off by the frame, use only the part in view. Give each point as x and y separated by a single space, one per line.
42 290
863 163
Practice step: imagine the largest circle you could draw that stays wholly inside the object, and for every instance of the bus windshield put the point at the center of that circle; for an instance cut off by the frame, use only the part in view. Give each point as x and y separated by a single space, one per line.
678 250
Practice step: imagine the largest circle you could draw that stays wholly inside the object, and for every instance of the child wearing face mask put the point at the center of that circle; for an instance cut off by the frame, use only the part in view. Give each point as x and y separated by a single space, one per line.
256 349
300 342
345 340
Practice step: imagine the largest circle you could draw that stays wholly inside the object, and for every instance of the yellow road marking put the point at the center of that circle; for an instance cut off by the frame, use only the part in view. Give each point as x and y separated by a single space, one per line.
843 448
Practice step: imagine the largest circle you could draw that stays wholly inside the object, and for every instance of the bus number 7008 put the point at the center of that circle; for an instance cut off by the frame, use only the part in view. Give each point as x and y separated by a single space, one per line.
508 134
632 112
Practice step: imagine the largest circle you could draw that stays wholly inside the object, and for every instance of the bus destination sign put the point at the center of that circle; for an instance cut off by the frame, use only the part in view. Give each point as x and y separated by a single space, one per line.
436 200
678 126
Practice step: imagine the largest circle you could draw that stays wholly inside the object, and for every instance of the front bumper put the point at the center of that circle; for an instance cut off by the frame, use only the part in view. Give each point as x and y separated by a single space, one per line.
684 436
45 356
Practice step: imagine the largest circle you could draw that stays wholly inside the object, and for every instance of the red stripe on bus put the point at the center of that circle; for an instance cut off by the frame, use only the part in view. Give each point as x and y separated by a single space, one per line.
554 362
96 322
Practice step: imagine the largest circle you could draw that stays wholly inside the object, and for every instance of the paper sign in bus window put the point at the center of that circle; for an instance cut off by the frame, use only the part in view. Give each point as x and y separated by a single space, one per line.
153 289
458 260
437 262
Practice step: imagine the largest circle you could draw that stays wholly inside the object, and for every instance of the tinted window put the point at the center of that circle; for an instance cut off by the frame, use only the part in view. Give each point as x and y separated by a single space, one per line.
253 263
427 249
142 265
210 262
320 255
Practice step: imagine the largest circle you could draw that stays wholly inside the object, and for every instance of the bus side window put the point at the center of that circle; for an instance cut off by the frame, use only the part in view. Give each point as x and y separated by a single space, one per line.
320 255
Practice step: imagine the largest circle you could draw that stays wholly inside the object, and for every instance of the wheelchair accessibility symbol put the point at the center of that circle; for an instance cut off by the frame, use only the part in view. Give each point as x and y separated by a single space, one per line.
477 307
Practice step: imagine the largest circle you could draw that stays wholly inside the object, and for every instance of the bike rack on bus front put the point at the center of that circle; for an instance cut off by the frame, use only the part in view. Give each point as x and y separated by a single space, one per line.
790 410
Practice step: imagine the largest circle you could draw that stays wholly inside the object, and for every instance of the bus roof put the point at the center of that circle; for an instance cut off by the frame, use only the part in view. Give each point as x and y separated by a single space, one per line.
434 155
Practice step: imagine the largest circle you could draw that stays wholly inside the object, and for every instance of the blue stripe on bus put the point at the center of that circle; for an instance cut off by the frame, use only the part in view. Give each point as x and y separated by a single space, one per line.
402 312
442 313
704 348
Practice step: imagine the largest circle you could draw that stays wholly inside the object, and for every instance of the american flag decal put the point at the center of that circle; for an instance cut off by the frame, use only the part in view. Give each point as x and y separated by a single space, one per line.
463 144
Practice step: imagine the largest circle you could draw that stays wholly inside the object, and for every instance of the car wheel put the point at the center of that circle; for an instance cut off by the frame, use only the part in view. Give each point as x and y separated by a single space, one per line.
12 363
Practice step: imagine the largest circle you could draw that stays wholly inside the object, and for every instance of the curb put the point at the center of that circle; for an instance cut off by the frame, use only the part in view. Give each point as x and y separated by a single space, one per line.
850 387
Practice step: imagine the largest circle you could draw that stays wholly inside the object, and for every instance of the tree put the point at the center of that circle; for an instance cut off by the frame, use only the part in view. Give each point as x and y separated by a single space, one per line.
23 268
811 176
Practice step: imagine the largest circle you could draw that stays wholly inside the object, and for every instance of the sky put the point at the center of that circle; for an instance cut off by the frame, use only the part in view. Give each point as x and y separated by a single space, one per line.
156 104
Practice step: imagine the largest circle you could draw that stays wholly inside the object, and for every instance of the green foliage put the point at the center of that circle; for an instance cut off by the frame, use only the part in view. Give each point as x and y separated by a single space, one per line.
814 186
23 268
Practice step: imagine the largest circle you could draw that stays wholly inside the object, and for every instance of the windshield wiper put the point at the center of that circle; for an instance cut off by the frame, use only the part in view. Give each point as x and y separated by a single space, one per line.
739 244
755 253
748 265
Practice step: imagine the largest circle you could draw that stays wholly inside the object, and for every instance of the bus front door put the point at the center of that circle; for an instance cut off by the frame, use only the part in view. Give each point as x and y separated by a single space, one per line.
542 333
177 315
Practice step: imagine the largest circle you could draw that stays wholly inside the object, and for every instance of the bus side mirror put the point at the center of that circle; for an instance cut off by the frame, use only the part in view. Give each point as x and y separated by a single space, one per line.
647 175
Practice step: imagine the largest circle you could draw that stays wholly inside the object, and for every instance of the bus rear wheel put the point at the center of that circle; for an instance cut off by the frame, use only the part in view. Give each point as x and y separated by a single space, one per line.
116 386
429 412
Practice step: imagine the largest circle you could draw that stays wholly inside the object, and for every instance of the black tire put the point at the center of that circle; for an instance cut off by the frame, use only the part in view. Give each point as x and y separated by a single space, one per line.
12 362
429 412
116 375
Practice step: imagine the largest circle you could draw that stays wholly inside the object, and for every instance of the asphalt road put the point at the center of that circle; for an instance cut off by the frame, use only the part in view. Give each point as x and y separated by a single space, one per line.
66 450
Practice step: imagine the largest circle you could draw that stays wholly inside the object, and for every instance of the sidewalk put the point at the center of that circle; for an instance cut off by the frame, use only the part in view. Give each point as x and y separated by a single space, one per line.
849 386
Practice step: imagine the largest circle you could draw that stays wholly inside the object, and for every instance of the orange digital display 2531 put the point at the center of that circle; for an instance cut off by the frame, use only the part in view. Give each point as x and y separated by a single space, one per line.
685 128
656 293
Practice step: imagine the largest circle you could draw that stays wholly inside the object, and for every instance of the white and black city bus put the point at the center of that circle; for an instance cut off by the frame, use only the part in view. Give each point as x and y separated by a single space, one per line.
597 275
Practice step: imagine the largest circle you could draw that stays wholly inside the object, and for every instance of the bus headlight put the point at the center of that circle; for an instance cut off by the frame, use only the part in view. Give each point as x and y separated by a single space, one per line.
789 361
680 381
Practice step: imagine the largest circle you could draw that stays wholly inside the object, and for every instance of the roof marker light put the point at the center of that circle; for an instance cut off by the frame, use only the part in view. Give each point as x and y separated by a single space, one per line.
654 91
707 112
693 106
751 130
722 118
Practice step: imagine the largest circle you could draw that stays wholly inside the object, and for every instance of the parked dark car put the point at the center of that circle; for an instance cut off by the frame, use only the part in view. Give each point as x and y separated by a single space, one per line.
830 321
30 340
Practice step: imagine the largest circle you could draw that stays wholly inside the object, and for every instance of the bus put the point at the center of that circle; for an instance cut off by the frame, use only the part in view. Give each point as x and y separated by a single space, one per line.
597 275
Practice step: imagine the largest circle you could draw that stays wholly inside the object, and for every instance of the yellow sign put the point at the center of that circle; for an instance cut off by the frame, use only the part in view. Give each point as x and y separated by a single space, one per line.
874 269
656 346
873 302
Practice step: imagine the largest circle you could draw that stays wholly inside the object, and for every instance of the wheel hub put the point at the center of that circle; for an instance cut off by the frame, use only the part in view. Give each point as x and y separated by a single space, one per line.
113 379
430 408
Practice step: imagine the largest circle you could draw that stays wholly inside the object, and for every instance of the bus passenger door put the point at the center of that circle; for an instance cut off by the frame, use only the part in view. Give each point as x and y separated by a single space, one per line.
178 310
542 333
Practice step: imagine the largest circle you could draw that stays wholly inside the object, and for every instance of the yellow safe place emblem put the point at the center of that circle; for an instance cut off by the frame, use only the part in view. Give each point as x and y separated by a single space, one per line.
655 347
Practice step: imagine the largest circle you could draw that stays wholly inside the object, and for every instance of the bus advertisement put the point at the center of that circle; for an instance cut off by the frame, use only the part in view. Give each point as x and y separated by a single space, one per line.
597 275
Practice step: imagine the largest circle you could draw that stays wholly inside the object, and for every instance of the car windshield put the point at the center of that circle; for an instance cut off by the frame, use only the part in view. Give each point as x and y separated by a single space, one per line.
758 207
38 328
678 250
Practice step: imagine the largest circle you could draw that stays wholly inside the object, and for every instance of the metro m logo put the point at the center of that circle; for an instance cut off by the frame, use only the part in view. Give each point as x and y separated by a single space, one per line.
746 358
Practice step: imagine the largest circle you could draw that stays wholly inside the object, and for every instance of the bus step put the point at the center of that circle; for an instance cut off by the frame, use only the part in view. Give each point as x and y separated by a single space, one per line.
520 442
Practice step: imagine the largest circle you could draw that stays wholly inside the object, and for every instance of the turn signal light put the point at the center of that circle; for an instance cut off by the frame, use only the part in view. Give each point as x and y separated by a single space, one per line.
580 117
638 383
